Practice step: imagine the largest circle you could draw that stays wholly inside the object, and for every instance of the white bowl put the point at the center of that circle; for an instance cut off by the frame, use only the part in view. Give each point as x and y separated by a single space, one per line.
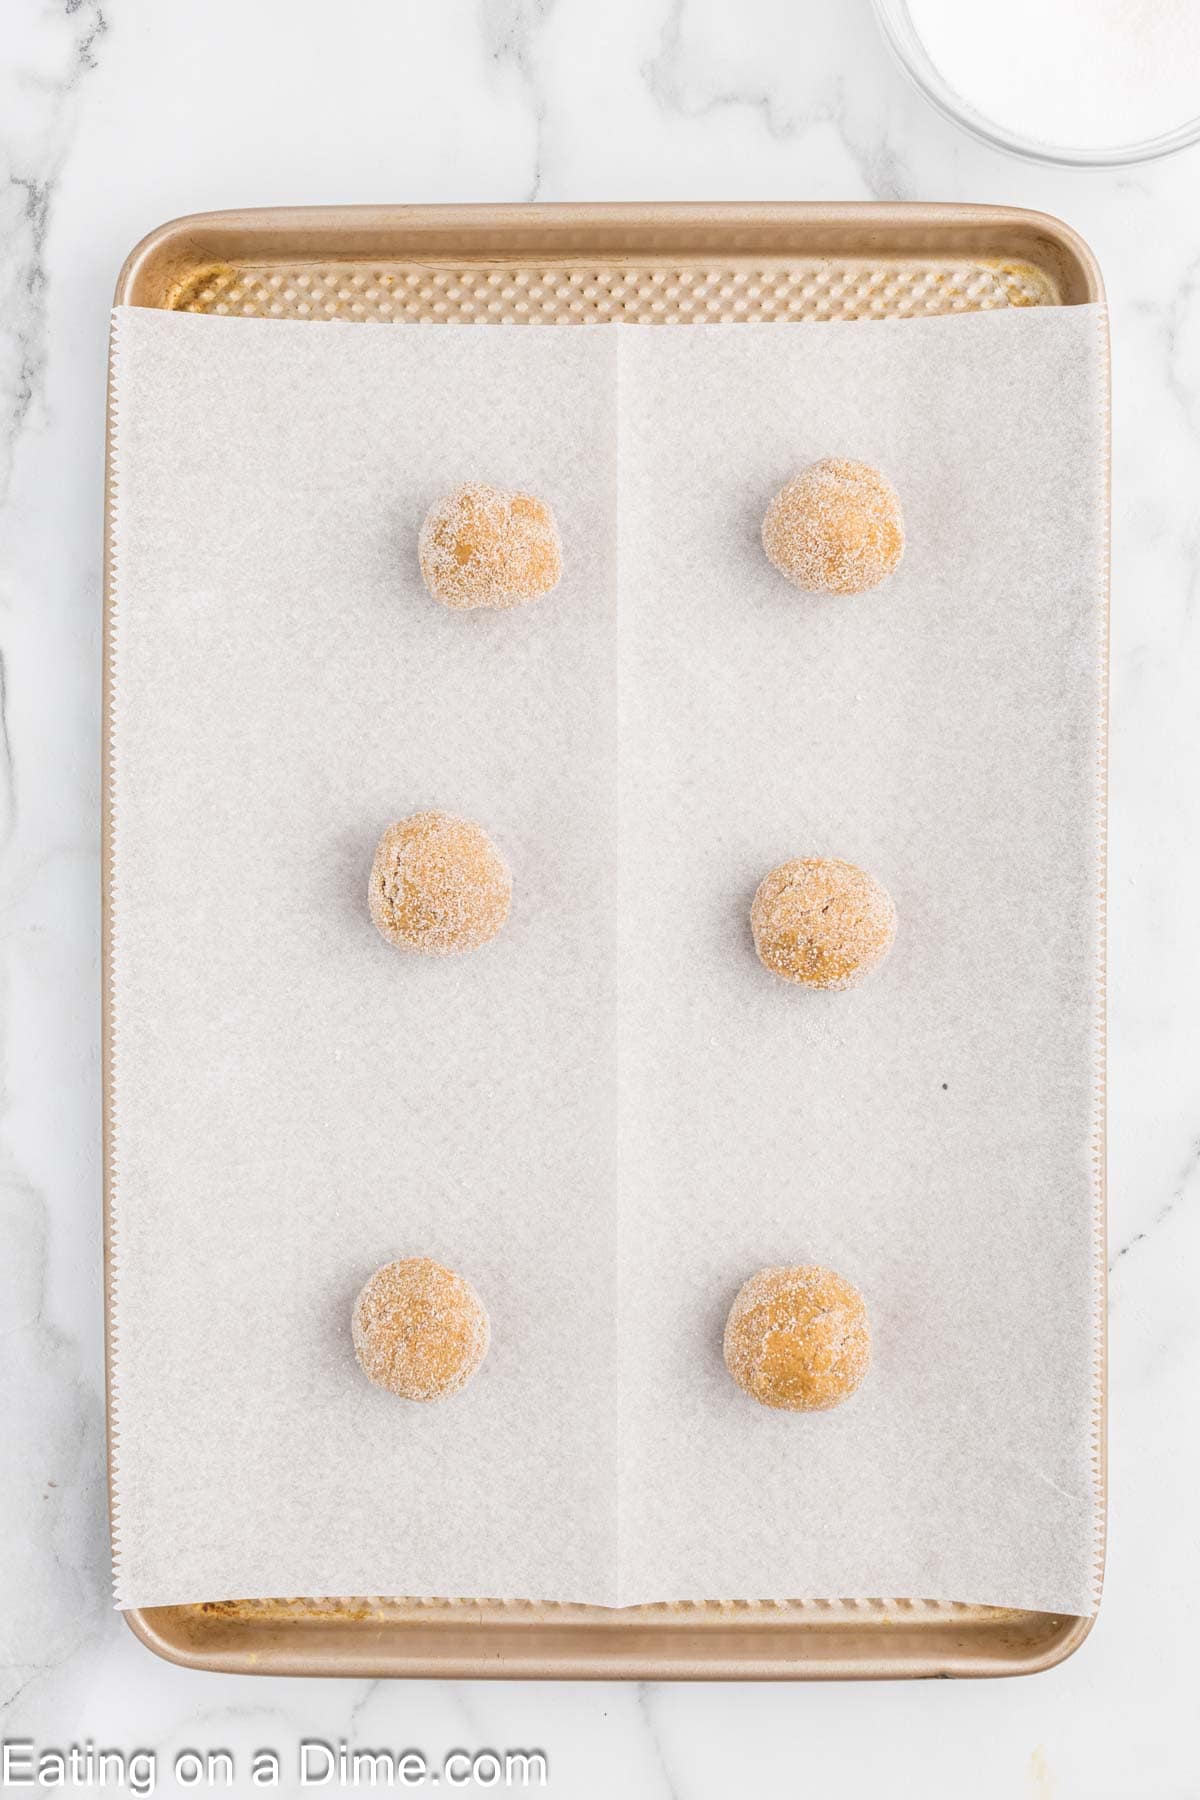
901 34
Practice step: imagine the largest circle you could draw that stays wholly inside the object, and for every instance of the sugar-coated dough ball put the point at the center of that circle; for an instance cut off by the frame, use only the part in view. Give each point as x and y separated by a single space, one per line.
481 546
798 1339
419 1330
836 528
438 885
822 922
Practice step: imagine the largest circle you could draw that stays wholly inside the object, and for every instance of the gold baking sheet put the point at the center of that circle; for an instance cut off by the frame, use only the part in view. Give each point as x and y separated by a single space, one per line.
563 265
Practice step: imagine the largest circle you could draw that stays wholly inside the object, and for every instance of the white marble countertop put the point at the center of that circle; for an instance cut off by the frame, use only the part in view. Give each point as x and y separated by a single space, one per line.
117 114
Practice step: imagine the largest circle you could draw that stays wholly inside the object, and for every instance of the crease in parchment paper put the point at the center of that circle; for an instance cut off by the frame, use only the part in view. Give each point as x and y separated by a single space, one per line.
612 1115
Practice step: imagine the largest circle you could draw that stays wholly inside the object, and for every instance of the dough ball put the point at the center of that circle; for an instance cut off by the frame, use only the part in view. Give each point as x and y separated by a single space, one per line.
798 1339
836 528
419 1330
821 922
483 547
438 885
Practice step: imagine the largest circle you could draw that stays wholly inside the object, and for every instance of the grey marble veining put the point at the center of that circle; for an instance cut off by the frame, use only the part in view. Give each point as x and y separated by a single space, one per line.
114 117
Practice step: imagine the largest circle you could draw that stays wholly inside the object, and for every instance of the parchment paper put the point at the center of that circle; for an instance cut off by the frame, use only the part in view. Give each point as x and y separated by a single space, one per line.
932 1133
612 1115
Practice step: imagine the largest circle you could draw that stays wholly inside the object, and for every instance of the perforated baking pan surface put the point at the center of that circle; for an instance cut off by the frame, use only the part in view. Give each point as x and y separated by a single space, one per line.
564 265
